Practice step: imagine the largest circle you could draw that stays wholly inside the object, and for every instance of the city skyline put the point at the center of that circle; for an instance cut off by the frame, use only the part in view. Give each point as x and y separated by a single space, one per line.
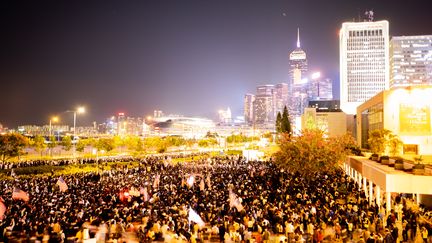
191 57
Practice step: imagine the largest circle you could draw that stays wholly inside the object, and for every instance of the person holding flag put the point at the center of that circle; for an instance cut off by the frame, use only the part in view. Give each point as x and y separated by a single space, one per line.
202 186
194 217
191 181
235 201
156 181
145 194
62 184
19 194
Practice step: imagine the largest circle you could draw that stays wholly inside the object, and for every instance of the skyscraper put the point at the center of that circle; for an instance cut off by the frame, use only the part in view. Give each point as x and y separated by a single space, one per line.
248 111
297 84
364 62
410 60
264 106
320 89
281 97
298 63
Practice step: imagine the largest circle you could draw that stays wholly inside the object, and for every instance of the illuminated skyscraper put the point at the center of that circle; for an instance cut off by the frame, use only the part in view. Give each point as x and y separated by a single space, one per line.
281 97
320 89
264 104
364 62
298 64
297 73
410 60
248 108
121 124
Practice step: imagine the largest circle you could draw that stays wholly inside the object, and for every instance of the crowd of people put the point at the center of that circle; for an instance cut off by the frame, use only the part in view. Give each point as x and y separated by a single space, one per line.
154 201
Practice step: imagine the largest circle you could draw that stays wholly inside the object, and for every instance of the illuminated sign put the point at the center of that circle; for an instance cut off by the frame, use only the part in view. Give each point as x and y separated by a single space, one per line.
414 119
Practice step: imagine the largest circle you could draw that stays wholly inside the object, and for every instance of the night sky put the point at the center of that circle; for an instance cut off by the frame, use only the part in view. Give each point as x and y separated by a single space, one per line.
179 56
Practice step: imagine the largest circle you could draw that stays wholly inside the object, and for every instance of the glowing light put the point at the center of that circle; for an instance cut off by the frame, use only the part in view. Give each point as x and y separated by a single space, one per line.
80 109
316 75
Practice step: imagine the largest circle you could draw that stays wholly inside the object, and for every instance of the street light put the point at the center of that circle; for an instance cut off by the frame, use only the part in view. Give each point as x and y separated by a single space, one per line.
52 119
79 110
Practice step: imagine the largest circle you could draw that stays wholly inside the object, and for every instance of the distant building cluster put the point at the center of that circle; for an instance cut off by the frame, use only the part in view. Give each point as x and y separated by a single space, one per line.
302 87
122 125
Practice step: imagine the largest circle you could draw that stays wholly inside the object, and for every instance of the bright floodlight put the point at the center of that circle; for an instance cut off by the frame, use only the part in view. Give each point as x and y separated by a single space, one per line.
81 109
54 119
316 75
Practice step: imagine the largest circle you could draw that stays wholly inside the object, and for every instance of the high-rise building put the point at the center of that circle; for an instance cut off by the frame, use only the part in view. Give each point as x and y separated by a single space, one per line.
297 83
121 124
157 113
298 64
320 89
281 97
364 62
225 116
410 60
248 111
264 104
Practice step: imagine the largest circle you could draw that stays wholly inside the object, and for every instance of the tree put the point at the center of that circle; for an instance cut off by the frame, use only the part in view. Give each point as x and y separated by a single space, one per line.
278 124
131 142
66 143
81 144
382 139
12 145
312 152
207 142
285 122
106 144
38 143
394 144
139 148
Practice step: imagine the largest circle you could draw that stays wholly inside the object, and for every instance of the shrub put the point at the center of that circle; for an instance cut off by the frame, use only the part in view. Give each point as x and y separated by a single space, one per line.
374 157
419 166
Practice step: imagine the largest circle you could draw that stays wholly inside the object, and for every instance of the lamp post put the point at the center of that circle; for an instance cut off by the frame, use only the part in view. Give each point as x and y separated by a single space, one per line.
79 110
52 119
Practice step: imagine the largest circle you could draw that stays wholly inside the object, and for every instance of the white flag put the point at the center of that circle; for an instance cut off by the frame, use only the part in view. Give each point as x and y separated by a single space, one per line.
194 217
235 201
62 184
191 181
202 187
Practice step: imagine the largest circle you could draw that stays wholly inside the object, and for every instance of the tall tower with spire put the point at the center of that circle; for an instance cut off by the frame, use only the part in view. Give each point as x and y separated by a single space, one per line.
297 83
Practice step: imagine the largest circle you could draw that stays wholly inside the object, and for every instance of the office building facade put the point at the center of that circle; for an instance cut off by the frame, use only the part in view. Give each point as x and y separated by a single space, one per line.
410 60
364 62
248 110
281 97
264 104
